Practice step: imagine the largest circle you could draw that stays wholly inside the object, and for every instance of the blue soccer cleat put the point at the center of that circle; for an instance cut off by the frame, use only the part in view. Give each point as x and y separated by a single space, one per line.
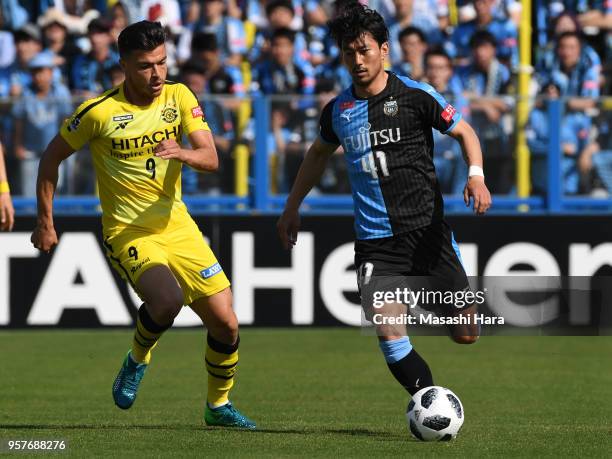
227 416
126 384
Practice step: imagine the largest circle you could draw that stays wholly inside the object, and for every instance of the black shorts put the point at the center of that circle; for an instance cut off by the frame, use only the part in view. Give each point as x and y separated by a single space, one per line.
425 259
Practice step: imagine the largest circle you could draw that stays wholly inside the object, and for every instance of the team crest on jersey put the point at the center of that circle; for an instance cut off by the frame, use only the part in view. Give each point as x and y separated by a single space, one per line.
169 113
390 107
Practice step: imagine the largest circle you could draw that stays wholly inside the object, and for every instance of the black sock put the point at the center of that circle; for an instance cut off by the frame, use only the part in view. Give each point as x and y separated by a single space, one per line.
412 372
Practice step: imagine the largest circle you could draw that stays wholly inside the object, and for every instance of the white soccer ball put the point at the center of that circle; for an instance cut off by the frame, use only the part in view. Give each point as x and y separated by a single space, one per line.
435 414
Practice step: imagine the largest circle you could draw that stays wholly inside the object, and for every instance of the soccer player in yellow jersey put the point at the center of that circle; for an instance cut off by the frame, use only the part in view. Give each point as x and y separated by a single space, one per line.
134 132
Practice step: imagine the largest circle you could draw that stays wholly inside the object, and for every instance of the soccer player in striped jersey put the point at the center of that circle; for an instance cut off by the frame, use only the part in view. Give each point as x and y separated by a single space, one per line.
134 132
384 123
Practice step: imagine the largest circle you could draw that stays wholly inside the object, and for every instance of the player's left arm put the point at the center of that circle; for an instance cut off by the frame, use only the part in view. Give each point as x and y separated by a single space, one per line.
201 157
475 187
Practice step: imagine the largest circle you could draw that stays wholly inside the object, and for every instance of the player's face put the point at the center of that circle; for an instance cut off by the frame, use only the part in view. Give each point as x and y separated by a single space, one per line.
364 59
145 71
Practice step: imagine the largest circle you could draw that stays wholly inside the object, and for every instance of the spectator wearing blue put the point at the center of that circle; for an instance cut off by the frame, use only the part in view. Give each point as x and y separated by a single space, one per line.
281 74
27 44
579 84
194 76
38 114
546 58
413 45
486 82
594 14
57 41
574 133
407 15
220 78
280 14
595 161
451 169
504 31
90 75
230 33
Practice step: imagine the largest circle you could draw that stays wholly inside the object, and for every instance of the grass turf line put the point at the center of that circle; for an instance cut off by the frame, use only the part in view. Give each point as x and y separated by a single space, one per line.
313 392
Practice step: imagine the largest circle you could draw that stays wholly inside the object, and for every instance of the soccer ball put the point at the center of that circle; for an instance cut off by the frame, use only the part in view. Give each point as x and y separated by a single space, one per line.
435 414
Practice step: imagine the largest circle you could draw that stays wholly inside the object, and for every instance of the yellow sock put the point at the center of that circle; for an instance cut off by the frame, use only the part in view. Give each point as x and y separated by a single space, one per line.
146 335
221 363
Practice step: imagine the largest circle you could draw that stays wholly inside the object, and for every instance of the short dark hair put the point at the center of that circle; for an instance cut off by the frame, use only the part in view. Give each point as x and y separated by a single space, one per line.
412 30
283 32
204 41
271 6
438 51
354 20
141 36
483 37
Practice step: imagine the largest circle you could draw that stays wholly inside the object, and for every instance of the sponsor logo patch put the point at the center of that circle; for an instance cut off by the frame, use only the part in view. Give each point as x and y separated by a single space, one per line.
448 113
211 270
123 118
74 124
347 104
196 112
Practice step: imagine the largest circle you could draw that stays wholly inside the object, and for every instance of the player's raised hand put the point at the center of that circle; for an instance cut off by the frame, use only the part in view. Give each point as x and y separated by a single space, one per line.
476 189
44 238
288 226
168 149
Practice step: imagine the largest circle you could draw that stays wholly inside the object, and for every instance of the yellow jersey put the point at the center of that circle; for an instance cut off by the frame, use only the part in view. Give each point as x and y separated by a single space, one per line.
136 188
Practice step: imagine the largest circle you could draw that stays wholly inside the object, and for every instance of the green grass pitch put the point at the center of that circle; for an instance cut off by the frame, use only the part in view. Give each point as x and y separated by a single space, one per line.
313 392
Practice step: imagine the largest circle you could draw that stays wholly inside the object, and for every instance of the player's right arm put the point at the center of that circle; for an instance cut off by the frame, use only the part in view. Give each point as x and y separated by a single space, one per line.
44 237
308 176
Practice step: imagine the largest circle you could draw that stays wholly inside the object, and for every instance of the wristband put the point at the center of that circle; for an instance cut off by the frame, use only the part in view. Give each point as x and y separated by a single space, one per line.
475 170
4 187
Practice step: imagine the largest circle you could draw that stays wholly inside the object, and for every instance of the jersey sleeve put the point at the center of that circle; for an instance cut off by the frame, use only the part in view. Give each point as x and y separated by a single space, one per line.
81 127
437 112
327 133
192 115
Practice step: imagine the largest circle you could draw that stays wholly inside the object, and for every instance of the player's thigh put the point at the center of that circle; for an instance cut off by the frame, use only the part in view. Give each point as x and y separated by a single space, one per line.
159 288
142 260
377 282
194 264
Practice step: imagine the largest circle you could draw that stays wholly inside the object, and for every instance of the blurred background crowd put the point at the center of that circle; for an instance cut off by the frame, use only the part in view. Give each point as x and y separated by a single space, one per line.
55 53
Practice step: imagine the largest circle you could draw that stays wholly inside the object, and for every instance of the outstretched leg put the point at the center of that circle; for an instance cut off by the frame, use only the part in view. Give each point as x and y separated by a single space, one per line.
163 298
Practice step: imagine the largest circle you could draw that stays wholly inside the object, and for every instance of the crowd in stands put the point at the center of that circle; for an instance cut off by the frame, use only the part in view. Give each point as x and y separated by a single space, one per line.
54 53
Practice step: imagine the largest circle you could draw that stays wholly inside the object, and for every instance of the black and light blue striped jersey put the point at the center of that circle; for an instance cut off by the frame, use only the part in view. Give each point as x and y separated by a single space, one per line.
388 147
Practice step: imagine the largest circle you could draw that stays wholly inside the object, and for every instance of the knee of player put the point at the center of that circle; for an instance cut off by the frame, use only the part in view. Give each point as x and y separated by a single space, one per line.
170 301
229 327
465 339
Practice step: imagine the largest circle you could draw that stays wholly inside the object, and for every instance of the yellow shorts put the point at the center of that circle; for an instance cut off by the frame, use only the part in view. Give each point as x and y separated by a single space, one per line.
181 247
